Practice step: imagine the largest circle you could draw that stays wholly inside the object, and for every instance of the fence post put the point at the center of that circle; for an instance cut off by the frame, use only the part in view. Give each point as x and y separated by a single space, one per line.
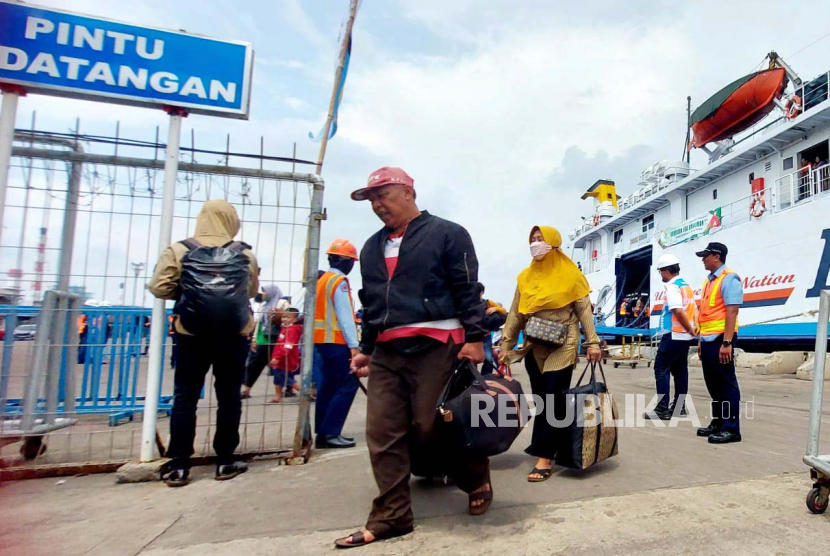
158 322
40 360
70 219
312 261
8 114
818 373
57 334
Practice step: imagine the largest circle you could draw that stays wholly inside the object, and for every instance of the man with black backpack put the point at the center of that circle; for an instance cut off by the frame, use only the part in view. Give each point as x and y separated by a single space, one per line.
211 277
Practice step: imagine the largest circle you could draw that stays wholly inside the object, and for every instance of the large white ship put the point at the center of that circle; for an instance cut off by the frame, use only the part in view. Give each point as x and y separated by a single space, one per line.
765 194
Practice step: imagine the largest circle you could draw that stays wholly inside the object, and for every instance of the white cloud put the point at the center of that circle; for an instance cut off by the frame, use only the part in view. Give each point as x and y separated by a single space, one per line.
503 112
296 103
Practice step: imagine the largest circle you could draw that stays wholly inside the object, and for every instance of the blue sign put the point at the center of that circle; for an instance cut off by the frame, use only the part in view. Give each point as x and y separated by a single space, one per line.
64 54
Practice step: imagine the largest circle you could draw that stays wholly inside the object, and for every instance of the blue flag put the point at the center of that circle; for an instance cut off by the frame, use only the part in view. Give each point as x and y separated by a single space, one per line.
340 86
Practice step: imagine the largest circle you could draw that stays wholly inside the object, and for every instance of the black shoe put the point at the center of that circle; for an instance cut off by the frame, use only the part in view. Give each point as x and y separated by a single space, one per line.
333 442
724 437
682 411
229 471
658 413
709 431
176 478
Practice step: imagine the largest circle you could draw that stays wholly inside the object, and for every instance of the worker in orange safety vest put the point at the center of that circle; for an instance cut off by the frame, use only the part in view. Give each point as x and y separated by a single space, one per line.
719 305
335 343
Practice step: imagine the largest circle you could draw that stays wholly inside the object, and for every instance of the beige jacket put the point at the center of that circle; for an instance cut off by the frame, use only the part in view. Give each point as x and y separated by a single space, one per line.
549 359
216 225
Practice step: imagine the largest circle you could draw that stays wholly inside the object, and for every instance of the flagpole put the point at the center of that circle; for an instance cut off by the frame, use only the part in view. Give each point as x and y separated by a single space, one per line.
344 48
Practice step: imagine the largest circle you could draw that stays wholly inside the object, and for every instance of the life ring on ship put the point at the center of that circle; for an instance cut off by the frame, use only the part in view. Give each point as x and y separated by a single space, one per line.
793 107
596 220
758 207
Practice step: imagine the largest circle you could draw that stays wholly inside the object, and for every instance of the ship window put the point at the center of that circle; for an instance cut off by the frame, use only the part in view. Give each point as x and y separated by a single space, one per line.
648 223
618 236
788 163
767 166
715 194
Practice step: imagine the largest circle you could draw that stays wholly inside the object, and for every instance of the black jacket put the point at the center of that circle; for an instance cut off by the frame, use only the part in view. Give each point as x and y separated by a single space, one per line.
436 278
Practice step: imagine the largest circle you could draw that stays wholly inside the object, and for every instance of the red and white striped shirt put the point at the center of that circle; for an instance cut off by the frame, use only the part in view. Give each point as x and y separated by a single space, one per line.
441 330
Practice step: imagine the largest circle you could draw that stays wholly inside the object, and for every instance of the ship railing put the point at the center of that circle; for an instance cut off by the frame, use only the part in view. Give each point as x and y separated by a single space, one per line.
740 211
814 92
802 186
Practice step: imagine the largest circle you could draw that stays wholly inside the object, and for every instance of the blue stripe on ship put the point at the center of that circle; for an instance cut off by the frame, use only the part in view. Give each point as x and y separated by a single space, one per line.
764 303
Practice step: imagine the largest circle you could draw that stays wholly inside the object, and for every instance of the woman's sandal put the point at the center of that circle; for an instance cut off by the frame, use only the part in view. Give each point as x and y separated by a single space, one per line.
359 540
544 475
486 496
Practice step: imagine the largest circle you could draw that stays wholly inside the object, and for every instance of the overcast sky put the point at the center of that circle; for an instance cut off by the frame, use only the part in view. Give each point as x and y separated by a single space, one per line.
504 112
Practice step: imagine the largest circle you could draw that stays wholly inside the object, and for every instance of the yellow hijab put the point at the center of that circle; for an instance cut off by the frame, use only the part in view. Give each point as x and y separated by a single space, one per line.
553 282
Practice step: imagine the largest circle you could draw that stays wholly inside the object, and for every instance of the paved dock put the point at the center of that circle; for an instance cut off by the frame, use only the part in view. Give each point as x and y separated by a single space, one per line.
668 491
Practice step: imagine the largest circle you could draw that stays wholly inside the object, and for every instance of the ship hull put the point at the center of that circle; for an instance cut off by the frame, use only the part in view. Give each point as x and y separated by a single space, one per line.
783 260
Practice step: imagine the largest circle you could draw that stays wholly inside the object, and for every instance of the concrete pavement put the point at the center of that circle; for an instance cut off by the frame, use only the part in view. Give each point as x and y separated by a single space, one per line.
667 491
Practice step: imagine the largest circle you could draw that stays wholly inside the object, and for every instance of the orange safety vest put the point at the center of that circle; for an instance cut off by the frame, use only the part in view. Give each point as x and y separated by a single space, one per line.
712 307
689 307
622 308
81 324
326 328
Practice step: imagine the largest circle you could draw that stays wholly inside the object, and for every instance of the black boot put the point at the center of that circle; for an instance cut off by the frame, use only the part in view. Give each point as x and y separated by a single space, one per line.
658 413
713 428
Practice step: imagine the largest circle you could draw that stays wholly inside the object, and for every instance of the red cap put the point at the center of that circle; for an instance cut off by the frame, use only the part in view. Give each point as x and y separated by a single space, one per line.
383 176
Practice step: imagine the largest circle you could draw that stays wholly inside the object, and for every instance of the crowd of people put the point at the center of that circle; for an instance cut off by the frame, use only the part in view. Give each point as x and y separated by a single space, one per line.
423 310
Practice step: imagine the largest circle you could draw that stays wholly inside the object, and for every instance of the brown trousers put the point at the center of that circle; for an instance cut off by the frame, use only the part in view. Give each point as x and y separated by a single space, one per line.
400 423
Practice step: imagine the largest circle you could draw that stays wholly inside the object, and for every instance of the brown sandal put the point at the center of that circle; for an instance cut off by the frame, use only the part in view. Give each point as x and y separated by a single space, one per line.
359 540
486 496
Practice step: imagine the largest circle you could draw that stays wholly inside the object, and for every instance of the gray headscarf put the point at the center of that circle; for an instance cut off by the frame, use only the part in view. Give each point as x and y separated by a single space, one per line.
274 294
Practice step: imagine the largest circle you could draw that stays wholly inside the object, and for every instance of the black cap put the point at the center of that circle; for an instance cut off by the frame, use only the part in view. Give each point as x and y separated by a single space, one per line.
714 247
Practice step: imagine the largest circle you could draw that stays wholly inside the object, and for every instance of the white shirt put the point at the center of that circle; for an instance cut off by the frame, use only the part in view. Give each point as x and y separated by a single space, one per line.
674 300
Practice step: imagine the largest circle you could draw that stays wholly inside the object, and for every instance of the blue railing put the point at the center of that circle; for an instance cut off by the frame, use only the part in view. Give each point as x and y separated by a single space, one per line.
110 350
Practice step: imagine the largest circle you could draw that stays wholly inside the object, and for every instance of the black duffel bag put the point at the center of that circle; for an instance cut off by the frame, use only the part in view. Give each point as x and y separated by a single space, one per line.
592 434
469 411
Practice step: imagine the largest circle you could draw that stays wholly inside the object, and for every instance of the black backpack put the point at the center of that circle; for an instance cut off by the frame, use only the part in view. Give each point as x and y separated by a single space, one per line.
213 290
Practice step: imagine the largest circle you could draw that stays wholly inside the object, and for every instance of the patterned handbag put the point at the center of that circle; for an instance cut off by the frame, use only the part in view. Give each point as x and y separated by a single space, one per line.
546 332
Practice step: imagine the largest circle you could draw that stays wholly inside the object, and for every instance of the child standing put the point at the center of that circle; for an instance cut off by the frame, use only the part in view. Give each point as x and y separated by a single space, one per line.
285 360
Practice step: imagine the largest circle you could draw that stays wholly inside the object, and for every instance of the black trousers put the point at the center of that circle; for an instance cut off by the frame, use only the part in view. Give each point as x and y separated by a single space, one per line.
672 360
257 361
196 356
551 387
722 385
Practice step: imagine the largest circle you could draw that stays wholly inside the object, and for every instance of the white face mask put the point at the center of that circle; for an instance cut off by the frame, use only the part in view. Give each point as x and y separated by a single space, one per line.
539 248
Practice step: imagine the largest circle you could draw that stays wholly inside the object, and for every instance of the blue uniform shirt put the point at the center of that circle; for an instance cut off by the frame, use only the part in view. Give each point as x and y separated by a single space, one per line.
343 311
732 291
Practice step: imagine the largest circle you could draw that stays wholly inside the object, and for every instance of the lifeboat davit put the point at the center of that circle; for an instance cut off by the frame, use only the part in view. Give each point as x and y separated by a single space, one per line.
738 106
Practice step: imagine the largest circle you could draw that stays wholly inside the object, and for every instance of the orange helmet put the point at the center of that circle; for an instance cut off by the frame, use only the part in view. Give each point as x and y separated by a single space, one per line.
342 248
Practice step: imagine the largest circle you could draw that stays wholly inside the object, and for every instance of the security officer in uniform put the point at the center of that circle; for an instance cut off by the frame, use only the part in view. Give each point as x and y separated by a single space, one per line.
722 297
335 343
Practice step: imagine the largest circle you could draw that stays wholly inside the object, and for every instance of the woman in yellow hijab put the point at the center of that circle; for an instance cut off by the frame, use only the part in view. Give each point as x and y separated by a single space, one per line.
552 288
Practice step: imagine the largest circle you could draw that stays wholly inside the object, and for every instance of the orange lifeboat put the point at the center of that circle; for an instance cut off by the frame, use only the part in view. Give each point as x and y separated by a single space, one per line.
738 106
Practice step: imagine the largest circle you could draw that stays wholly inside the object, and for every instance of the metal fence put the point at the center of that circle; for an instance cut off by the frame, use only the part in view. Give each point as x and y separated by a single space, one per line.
82 218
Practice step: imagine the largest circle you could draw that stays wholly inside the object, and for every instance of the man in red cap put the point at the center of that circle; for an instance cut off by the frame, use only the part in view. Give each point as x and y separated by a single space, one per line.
335 343
422 311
